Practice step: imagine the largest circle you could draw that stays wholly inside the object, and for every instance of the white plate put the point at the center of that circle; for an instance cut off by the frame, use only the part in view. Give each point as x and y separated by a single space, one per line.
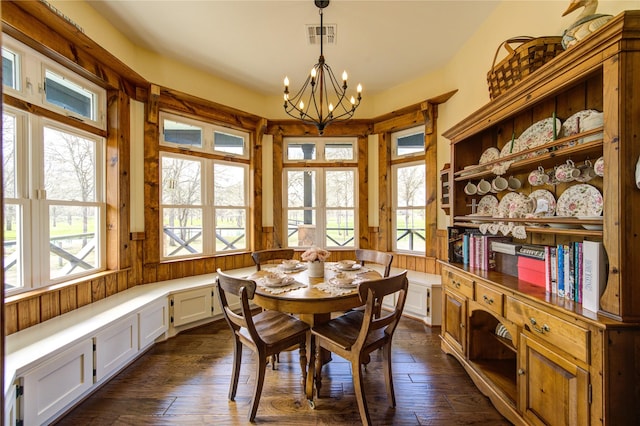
353 267
335 283
592 227
284 282
580 200
299 267
562 225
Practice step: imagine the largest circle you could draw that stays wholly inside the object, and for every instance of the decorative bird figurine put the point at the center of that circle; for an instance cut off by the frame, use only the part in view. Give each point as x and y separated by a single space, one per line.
588 22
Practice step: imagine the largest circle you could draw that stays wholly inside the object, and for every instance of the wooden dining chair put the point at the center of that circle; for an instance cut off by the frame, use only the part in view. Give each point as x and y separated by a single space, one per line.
356 334
270 255
265 333
378 257
374 256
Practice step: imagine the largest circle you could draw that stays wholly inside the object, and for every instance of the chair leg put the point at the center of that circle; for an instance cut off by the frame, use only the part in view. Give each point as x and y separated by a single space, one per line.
388 375
257 392
303 360
237 360
359 391
318 368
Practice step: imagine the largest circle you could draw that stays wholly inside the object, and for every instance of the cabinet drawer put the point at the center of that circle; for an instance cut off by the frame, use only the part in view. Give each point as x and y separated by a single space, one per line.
571 338
489 298
458 283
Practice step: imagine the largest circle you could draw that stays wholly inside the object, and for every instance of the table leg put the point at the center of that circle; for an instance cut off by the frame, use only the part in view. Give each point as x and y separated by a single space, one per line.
313 319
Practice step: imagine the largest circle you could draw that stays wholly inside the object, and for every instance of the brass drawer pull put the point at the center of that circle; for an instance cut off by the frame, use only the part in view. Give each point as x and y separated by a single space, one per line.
487 299
544 329
520 372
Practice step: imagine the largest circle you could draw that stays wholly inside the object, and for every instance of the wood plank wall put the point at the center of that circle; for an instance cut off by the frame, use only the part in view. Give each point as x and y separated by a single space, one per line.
134 258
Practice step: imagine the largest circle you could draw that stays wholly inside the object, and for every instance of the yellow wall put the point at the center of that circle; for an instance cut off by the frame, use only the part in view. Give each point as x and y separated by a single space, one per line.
466 71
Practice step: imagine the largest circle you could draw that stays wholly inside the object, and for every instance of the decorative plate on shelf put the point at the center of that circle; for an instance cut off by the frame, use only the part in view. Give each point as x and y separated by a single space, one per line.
510 147
489 154
545 203
488 206
515 204
580 200
581 121
538 134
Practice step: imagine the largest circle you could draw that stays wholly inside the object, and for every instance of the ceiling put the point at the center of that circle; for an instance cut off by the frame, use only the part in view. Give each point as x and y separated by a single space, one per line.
255 43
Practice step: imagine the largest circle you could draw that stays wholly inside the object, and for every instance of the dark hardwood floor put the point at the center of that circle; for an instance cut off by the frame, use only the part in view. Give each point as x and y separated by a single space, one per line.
185 381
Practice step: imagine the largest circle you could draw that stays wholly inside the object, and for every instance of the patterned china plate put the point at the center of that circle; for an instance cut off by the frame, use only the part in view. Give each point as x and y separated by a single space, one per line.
488 206
282 283
538 134
580 200
299 267
514 204
489 154
334 282
545 202
510 147
579 122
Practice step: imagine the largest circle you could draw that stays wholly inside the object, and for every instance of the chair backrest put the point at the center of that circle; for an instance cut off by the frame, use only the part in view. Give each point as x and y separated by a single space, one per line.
371 294
262 256
374 256
244 289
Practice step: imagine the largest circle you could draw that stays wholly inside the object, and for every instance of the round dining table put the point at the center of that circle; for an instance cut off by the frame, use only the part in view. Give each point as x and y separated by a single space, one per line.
308 301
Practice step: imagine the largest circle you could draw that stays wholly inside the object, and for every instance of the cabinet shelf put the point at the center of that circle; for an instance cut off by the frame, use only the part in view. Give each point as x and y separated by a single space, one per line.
557 155
502 373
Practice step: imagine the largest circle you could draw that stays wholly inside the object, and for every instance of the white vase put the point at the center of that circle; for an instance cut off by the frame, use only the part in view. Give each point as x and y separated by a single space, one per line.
316 269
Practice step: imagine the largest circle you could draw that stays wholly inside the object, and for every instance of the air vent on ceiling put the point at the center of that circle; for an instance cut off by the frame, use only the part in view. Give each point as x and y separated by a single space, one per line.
314 32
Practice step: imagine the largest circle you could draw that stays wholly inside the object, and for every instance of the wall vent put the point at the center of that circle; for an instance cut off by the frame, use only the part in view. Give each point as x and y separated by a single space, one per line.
314 32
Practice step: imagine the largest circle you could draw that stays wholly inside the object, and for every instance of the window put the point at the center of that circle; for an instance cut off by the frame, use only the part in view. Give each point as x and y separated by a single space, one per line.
204 200
409 192
408 142
53 177
54 201
30 76
320 151
194 135
320 202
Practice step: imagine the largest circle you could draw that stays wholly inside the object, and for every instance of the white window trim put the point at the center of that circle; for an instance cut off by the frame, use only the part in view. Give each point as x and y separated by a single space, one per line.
208 130
207 206
320 208
320 149
395 207
31 199
32 87
403 133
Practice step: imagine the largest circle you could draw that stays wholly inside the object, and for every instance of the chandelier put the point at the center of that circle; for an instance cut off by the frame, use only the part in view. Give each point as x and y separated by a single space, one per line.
322 99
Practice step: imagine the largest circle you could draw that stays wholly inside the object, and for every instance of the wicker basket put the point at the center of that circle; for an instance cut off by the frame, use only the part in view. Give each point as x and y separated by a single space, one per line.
530 55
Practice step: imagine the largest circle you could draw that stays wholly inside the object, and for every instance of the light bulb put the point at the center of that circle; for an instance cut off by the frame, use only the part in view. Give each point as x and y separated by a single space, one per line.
301 105
344 76
313 73
359 88
353 101
286 82
330 107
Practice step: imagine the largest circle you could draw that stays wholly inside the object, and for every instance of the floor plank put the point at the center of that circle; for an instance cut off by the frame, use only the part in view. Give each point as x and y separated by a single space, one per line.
185 381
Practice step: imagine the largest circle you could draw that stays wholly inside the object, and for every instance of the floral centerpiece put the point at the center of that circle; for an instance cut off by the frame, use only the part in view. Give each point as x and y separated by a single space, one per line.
316 257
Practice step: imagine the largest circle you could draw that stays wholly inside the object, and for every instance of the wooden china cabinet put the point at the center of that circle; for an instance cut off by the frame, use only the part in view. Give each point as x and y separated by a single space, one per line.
554 362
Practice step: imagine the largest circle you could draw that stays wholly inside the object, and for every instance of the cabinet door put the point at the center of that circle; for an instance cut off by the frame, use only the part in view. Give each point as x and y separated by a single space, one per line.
152 322
115 346
10 407
191 306
552 390
454 321
57 383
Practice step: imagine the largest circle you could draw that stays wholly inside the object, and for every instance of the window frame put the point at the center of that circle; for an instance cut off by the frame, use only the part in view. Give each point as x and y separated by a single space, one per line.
208 159
320 144
320 208
32 203
32 88
404 133
208 135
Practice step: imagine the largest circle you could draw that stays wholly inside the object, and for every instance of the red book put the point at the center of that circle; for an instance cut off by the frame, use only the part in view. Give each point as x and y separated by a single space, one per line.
531 270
